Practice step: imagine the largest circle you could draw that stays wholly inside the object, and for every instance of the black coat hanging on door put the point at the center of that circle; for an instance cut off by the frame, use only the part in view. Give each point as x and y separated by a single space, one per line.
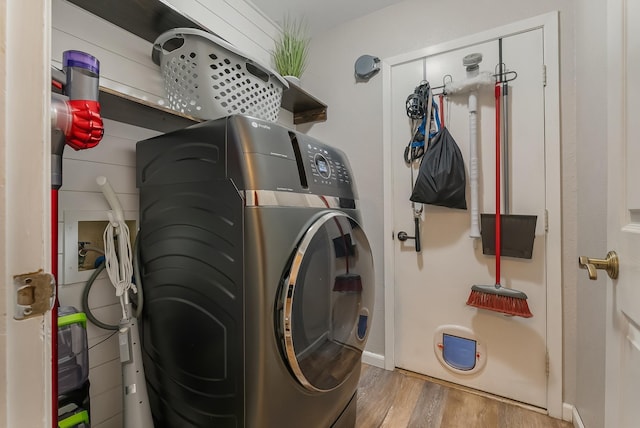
441 178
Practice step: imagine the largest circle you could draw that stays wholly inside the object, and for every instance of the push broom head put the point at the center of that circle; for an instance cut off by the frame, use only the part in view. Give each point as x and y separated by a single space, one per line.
498 299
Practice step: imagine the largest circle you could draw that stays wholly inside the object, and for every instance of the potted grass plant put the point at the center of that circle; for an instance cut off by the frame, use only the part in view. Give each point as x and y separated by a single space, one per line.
291 49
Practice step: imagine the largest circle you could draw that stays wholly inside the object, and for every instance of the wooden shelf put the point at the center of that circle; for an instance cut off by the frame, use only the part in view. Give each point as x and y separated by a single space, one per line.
150 18
146 19
134 111
304 106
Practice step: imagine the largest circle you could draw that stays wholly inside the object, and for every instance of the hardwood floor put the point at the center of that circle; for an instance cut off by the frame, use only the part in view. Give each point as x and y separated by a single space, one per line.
402 399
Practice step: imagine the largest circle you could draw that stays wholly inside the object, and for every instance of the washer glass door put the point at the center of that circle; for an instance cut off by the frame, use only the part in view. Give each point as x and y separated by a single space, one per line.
326 301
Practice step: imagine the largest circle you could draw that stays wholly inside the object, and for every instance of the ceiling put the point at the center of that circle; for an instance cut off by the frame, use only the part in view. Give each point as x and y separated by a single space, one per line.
320 15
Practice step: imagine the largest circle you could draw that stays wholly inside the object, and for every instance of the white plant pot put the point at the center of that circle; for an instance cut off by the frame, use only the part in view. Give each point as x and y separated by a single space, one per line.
293 79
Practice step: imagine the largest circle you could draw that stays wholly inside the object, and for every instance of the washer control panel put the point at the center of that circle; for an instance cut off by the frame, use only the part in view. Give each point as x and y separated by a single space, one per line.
327 165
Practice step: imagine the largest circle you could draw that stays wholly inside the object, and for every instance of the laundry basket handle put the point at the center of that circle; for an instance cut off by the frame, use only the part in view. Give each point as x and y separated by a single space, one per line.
158 45
178 33
156 54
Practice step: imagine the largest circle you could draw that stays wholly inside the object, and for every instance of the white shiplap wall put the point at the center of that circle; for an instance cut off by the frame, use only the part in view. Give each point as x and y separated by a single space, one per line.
125 60
126 66
236 21
114 158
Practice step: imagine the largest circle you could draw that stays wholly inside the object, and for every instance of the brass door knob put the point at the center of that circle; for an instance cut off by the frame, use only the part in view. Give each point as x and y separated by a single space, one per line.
610 265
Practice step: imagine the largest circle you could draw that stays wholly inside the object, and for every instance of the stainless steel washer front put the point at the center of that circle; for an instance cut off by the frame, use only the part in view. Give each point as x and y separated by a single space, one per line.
326 300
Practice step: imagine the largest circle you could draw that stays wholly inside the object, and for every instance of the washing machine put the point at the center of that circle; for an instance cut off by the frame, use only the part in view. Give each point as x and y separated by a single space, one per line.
258 278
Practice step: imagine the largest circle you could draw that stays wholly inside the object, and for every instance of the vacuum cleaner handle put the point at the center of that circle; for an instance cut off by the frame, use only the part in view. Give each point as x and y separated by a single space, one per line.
111 197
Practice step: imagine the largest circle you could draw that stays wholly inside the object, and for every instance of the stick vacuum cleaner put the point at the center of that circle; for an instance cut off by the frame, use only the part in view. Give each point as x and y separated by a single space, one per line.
76 122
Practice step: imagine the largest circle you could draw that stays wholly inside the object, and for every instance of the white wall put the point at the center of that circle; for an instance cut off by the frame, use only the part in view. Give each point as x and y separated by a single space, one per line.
238 22
114 158
355 113
126 66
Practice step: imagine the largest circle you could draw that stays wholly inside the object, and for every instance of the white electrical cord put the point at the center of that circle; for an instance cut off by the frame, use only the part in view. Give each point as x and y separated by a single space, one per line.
118 261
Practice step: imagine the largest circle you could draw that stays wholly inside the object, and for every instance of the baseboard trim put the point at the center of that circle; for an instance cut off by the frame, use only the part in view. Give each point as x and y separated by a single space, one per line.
567 412
577 420
372 359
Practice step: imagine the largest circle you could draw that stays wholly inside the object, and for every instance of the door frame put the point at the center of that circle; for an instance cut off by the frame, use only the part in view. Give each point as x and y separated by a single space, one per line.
550 25
25 167
617 334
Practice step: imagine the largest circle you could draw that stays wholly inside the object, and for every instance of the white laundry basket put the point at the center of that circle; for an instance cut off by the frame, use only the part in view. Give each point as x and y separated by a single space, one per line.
206 77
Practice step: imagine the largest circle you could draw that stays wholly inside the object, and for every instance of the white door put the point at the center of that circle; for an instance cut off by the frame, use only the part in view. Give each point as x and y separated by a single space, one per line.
623 232
431 287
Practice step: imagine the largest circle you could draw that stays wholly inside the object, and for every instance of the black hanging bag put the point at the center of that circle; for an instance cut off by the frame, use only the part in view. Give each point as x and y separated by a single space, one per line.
441 178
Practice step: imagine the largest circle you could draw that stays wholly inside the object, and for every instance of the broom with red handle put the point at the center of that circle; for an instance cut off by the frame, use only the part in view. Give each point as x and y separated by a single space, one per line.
495 297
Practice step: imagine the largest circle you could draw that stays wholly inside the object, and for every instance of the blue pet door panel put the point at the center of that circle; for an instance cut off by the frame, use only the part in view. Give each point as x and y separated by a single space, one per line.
459 350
